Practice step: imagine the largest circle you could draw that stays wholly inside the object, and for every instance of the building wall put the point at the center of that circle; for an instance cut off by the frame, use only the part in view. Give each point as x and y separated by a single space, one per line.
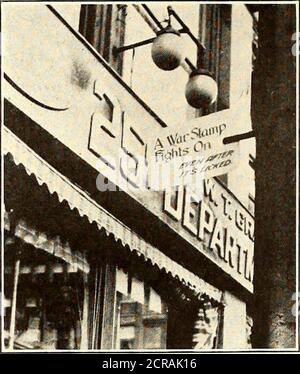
164 93
70 12
275 122
241 180
234 323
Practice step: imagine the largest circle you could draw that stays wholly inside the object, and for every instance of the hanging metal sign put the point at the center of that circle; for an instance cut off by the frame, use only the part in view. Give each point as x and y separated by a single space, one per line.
193 151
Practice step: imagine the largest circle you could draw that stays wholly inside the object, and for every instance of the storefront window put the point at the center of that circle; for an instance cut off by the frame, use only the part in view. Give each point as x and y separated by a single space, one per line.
141 321
49 301
91 294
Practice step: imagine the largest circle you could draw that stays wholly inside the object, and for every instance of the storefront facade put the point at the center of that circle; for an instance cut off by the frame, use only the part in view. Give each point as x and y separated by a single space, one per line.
93 259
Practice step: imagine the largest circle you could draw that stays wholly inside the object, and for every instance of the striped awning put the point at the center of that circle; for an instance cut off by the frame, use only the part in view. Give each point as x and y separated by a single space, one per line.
86 206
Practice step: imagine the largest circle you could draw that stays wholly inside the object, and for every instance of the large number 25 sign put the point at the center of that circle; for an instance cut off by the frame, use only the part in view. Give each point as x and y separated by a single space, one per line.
115 141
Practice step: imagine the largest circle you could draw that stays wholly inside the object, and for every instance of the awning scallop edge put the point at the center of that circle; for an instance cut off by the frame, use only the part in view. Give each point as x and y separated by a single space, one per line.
77 198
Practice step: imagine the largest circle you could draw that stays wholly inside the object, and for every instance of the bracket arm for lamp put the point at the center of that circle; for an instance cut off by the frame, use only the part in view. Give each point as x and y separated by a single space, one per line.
184 30
117 50
168 52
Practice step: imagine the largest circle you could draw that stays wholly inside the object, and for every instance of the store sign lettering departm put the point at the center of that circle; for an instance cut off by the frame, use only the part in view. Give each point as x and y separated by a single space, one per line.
215 221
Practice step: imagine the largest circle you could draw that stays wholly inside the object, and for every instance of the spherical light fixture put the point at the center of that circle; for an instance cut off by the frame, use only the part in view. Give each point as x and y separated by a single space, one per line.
167 49
201 89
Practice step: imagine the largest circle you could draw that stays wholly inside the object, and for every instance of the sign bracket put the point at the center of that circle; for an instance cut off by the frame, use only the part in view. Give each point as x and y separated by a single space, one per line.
238 137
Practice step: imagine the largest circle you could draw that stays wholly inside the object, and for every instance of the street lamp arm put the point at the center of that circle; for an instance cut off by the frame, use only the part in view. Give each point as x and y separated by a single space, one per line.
185 29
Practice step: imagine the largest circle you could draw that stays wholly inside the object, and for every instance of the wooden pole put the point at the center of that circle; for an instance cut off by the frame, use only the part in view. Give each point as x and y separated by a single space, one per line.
85 311
12 223
14 302
108 319
274 121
